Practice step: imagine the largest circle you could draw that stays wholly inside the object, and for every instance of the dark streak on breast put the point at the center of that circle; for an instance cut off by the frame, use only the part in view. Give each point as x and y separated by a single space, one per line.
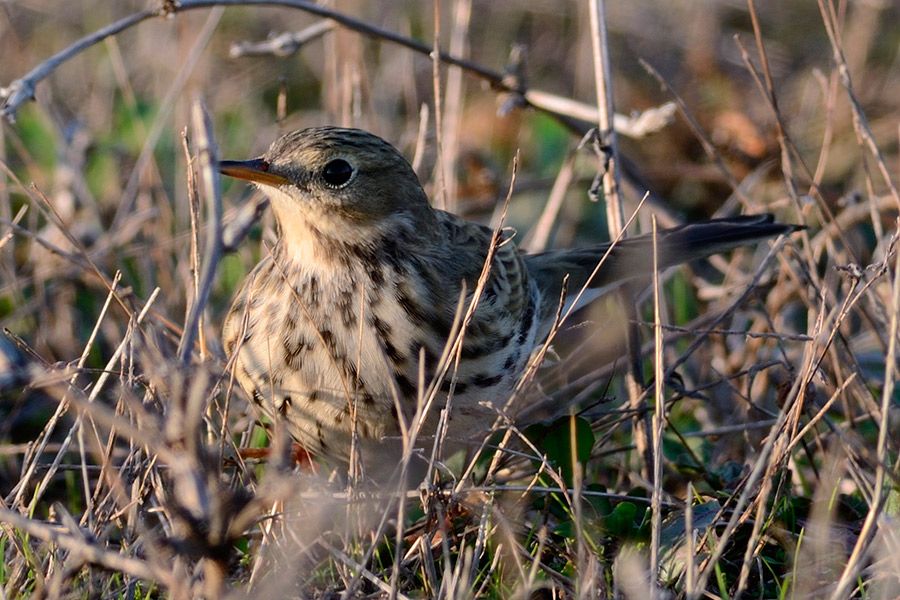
347 308
328 339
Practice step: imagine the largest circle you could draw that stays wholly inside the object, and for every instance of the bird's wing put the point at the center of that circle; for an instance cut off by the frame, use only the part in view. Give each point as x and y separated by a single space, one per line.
506 310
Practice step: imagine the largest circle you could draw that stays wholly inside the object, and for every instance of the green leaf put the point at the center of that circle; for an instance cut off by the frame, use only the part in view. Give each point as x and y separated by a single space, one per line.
555 441
621 522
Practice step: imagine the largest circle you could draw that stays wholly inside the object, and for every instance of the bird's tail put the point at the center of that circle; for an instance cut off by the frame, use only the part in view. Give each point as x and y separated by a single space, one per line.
632 258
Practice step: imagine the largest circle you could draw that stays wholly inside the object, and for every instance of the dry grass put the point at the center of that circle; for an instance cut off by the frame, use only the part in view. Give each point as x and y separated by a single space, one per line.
758 413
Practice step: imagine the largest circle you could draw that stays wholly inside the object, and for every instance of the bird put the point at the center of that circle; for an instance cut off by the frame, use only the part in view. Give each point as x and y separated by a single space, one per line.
340 327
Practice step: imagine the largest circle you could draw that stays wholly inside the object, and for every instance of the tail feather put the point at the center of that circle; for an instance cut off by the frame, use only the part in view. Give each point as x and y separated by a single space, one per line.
632 258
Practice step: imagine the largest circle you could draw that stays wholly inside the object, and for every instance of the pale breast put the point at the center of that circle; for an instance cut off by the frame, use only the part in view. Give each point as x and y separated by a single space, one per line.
330 352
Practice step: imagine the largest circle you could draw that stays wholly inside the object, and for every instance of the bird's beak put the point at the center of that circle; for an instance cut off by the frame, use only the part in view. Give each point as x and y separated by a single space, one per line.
255 169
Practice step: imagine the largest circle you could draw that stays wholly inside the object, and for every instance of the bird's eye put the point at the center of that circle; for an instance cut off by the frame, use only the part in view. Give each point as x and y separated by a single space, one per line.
337 173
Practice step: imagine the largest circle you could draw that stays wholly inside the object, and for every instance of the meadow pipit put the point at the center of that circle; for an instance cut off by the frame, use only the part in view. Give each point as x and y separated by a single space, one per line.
359 295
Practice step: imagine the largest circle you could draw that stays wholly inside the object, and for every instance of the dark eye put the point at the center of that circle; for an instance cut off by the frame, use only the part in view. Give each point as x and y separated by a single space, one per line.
337 173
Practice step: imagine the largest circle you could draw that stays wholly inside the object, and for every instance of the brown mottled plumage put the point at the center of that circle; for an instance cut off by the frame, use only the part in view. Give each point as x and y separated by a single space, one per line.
365 281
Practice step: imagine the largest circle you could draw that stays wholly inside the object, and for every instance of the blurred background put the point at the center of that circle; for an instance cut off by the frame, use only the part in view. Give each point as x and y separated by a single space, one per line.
100 151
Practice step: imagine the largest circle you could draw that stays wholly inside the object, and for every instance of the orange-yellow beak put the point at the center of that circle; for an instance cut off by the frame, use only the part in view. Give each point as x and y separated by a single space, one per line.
255 169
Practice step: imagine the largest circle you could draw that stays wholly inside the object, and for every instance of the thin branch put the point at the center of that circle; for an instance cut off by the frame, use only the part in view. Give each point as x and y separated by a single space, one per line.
281 45
659 417
206 151
569 112
85 550
22 90
615 214
879 494
615 220
860 122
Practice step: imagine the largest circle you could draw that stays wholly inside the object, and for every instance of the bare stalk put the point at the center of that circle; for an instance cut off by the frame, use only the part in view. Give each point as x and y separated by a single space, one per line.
659 417
208 165
861 549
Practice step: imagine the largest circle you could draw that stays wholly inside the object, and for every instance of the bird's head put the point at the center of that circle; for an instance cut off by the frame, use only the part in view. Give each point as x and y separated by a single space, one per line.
341 182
